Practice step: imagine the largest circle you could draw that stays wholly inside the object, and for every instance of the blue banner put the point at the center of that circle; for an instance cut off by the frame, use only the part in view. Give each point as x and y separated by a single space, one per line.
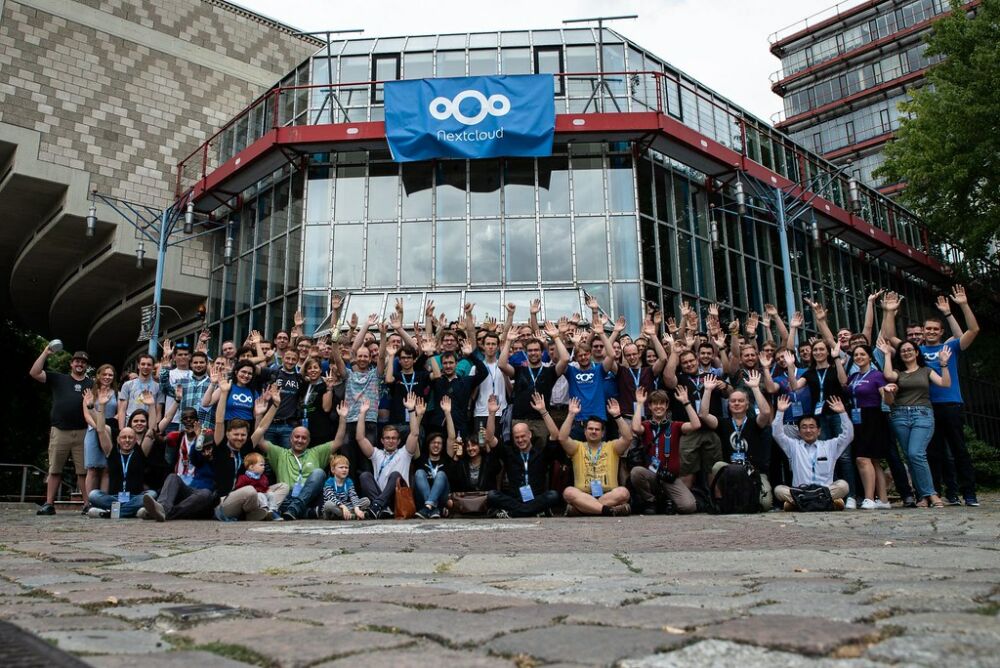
470 117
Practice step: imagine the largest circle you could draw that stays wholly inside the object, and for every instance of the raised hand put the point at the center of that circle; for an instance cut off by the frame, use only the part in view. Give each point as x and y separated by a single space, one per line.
734 326
789 358
958 295
336 301
329 379
550 329
147 398
712 382
364 404
168 347
640 394
490 324
536 306
428 347
467 347
713 310
574 407
88 398
420 408
538 402
343 409
373 319
399 307
765 359
771 310
429 308
204 336
752 322
784 401
649 329
873 297
353 322
396 320
178 392
261 405
620 323
681 393
944 356
836 404
298 319
468 308
943 305
672 327
819 311
512 335
753 379
492 404
445 403
255 337
592 303
563 325
614 410
798 320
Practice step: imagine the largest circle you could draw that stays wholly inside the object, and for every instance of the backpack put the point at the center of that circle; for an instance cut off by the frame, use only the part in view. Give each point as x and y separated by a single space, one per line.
812 498
739 489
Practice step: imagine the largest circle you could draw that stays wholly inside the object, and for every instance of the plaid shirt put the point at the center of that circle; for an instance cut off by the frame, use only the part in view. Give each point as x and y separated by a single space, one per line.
192 390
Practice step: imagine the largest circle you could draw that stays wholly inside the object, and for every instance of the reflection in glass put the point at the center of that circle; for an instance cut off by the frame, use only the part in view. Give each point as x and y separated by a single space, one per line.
484 247
628 304
553 185
484 187
275 283
450 64
364 305
482 62
581 59
624 247
685 252
279 220
383 191
294 252
418 181
448 304
522 300
556 243
260 276
621 191
317 257
381 267
418 66
521 260
314 308
515 61
665 243
451 189
349 200
450 251
348 251
519 186
487 305
245 264
415 257
588 184
559 303
591 248
413 306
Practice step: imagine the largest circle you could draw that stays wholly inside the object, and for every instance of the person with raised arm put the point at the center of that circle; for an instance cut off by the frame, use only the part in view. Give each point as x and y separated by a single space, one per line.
391 463
533 377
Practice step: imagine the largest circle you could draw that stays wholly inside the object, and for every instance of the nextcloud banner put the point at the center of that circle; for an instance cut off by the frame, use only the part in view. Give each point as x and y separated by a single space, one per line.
470 117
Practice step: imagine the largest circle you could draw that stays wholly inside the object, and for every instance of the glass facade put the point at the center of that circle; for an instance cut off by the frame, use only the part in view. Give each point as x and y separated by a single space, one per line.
614 219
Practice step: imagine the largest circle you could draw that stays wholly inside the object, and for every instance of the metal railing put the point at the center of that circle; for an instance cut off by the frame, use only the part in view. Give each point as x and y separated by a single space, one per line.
630 91
812 20
28 470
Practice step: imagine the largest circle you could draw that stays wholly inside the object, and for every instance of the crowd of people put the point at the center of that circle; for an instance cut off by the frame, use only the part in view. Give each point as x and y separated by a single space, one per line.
383 419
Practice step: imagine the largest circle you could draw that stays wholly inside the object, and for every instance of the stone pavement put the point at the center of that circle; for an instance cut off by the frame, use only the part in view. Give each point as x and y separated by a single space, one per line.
847 589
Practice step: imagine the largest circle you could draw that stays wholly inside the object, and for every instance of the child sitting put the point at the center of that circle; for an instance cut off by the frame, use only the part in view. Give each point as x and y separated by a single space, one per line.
255 477
340 500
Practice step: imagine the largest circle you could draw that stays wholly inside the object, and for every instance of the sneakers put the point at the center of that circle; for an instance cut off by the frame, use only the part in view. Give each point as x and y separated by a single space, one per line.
154 509
141 514
221 516
97 512
386 514
621 510
789 507
276 516
851 503
909 502
838 504
502 515
649 509
867 504
435 514
424 513
972 501
330 511
882 505
83 511
371 513
46 509
952 501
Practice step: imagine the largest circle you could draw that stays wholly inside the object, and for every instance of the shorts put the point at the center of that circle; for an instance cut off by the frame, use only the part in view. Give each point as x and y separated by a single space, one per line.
699 451
93 456
64 443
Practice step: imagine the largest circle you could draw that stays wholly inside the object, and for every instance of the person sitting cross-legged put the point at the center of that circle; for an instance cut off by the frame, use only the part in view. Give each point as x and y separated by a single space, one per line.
595 464
391 463
812 460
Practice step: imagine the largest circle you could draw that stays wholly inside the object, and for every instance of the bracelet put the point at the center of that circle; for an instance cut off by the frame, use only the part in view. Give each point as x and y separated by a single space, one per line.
686 403
544 414
947 315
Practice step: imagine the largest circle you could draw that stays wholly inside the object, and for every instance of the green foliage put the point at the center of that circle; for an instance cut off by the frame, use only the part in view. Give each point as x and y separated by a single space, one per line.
948 152
24 413
985 459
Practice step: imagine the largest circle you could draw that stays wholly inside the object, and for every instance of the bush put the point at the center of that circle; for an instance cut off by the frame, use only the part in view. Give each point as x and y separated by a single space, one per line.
985 459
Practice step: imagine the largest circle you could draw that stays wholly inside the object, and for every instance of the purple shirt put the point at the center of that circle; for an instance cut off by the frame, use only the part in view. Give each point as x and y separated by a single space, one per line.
863 388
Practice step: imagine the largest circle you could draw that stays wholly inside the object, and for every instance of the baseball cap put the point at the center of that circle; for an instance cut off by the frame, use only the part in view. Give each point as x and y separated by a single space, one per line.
81 355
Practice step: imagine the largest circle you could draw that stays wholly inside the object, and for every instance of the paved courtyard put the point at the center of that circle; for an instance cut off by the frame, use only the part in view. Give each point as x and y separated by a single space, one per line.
842 589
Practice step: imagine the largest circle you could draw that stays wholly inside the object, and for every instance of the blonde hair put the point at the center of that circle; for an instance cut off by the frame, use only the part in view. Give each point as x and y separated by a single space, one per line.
335 460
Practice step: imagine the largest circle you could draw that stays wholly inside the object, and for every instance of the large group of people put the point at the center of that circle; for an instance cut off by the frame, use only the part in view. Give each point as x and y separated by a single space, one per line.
384 419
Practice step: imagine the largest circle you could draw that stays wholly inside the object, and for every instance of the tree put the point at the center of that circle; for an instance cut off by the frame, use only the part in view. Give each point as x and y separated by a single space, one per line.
948 150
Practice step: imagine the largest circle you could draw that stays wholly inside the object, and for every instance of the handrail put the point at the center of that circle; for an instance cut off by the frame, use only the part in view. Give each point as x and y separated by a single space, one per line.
24 478
812 20
733 127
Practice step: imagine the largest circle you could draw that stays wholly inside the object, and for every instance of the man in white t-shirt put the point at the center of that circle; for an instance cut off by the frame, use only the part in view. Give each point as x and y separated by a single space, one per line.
495 384
130 394
390 463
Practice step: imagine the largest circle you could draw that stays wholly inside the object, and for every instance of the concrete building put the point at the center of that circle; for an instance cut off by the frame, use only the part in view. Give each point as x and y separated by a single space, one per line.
844 72
110 95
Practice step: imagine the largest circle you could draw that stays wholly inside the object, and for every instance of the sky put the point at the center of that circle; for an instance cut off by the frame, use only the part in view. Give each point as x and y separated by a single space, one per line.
721 43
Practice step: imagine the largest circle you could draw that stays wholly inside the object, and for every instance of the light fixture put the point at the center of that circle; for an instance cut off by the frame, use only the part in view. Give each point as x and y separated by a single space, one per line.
92 218
814 232
854 194
189 218
227 254
713 227
741 199
140 253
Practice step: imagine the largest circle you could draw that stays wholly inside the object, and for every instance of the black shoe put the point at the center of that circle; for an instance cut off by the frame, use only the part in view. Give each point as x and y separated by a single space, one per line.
386 514
424 513
312 514
953 501
972 501
910 502
46 509
371 513
83 511
649 510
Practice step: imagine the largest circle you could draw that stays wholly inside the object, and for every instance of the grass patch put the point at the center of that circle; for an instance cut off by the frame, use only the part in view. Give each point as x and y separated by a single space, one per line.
989 609
624 558
237 653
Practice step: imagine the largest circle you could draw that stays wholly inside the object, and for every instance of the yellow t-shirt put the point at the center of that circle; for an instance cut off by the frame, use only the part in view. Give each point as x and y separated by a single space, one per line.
595 464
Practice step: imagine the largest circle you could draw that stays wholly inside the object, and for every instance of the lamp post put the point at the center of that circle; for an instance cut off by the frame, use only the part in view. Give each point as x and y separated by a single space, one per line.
160 228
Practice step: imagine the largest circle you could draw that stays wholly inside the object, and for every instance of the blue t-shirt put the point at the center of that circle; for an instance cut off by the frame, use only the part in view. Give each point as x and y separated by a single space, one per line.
944 395
520 358
587 385
802 397
239 403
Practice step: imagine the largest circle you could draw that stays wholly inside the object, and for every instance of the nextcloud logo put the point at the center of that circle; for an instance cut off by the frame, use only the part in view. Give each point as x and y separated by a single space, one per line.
442 109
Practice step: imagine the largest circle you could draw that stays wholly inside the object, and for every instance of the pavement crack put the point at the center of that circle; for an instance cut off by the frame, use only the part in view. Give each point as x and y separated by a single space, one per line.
625 559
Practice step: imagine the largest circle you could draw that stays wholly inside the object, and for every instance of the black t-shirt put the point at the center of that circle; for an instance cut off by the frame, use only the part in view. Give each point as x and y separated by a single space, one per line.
695 384
417 380
321 424
291 385
462 480
748 440
539 463
444 461
129 469
830 381
527 381
226 465
67 400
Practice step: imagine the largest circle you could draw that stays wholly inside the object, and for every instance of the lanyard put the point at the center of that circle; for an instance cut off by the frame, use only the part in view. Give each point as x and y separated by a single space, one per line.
125 465
299 462
593 459
340 489
237 462
535 376
525 456
433 469
854 386
408 384
815 457
635 376
385 462
657 434
739 432
822 381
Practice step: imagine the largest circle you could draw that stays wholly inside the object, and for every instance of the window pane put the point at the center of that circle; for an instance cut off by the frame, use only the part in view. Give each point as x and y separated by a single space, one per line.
581 59
417 66
349 201
602 292
415 259
556 243
621 194
519 187
244 265
383 191
685 251
628 304
484 247
515 61
559 303
381 267
276 280
521 259
364 305
450 64
624 248
260 276
451 189
448 304
317 257
553 185
487 305
294 251
315 306
418 180
591 248
588 184
666 252
347 254
484 187
522 300
450 253
413 306
482 62
279 219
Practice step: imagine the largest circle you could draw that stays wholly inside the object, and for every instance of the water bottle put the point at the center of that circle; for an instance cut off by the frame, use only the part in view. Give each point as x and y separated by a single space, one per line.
55 345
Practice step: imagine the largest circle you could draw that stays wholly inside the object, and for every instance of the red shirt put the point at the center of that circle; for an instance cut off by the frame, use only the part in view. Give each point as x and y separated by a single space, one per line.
260 484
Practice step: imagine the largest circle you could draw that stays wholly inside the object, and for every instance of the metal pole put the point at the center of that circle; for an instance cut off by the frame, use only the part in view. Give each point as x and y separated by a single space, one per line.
786 260
24 482
161 255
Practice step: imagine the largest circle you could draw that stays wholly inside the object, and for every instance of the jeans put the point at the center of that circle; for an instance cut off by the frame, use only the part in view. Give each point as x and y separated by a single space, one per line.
309 496
381 498
914 426
899 472
279 434
181 501
949 439
427 493
517 508
103 500
829 426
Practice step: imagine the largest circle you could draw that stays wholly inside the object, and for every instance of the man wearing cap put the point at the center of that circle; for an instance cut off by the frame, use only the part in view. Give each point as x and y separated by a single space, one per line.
68 426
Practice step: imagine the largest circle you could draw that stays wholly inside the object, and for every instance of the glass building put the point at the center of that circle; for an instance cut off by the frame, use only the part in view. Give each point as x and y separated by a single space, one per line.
616 214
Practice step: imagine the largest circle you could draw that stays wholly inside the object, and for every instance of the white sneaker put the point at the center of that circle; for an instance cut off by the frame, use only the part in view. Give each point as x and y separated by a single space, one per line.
97 512
850 503
141 514
882 505
867 504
